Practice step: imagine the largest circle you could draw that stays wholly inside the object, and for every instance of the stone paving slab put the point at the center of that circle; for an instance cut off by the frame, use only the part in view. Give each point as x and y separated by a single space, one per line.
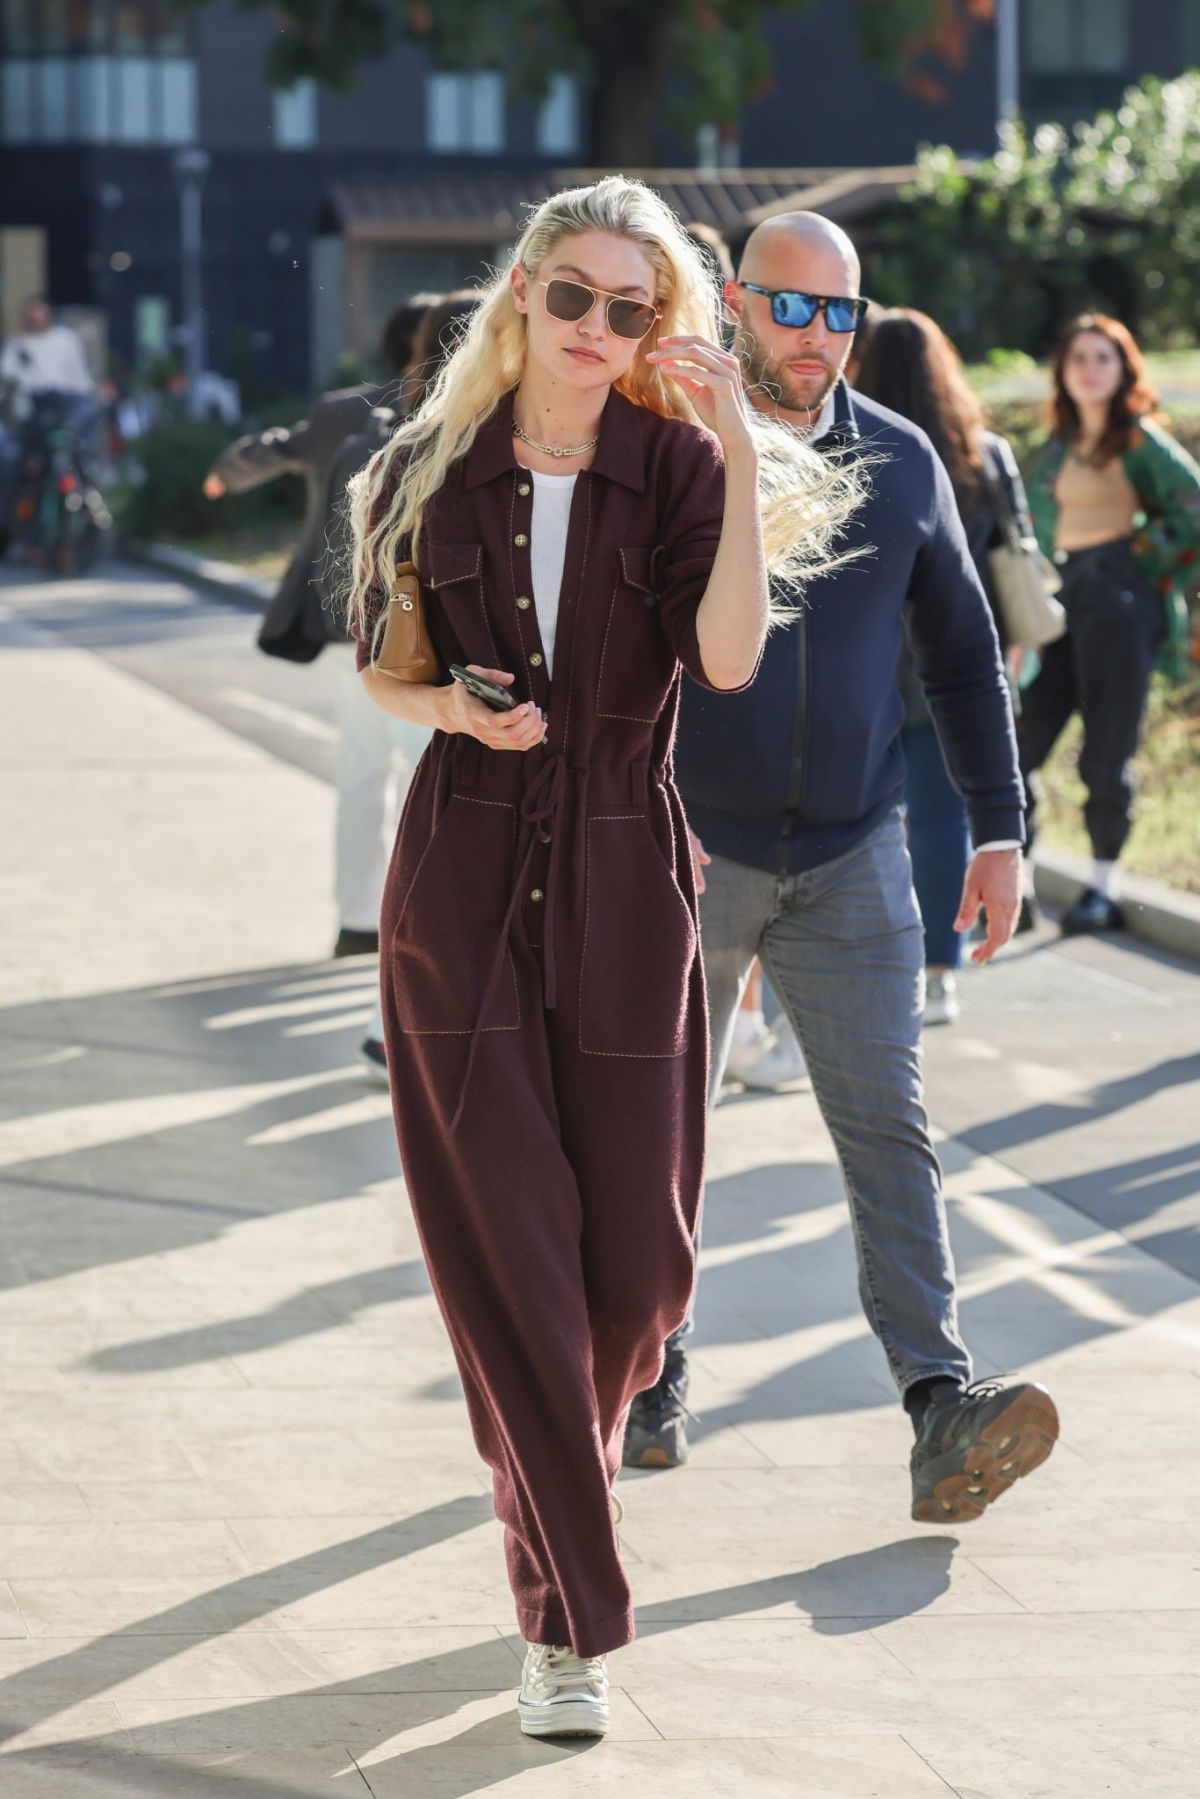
246 1547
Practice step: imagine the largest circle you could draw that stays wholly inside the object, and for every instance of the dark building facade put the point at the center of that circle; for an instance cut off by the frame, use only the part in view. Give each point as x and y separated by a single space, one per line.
98 98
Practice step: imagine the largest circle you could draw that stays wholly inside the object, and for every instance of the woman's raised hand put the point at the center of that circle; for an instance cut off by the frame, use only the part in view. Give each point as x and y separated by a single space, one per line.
712 380
521 729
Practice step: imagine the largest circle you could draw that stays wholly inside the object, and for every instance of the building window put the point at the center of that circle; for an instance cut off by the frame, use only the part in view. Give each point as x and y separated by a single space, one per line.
465 112
53 91
18 102
558 118
177 100
296 116
94 98
1076 37
94 72
134 103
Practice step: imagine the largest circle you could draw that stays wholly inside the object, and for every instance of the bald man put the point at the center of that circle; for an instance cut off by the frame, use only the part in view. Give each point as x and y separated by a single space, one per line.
794 792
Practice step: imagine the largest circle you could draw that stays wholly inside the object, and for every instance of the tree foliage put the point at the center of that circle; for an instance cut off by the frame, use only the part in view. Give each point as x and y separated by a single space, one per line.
677 62
1104 214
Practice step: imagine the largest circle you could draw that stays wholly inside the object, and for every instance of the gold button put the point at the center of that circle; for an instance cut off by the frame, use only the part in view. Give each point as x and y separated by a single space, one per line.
535 661
524 489
524 602
537 895
520 540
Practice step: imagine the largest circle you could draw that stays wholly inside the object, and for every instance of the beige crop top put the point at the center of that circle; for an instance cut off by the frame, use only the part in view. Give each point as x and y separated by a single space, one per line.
1094 504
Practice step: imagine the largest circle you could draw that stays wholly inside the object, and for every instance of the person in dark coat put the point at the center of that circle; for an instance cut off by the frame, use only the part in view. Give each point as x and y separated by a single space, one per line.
581 499
300 622
911 366
793 792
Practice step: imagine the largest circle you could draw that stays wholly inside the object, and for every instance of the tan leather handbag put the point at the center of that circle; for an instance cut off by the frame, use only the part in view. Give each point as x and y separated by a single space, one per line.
401 646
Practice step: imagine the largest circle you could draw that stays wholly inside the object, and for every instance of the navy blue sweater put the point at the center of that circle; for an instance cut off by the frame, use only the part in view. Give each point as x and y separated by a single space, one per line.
795 769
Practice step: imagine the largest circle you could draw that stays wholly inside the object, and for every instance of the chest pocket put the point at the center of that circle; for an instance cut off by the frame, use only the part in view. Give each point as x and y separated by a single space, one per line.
637 664
456 577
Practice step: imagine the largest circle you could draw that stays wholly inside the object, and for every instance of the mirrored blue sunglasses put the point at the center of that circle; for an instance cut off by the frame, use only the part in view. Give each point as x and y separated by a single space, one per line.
789 307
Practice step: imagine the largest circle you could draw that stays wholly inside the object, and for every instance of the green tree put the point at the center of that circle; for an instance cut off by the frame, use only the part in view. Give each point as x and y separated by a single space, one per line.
1134 177
1104 214
687 61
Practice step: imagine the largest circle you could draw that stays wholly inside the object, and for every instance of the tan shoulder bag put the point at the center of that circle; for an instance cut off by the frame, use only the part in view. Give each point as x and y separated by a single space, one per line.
401 646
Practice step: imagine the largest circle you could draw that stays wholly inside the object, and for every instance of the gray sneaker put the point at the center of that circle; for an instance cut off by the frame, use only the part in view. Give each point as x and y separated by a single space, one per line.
974 1444
656 1434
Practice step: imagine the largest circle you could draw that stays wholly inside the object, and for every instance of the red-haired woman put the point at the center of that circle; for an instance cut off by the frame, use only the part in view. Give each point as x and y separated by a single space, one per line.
1116 502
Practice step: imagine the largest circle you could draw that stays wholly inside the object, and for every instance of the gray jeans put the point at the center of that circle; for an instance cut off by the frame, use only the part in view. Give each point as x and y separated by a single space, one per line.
842 945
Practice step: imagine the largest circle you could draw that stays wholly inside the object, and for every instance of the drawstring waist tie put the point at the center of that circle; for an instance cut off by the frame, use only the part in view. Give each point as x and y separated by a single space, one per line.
541 818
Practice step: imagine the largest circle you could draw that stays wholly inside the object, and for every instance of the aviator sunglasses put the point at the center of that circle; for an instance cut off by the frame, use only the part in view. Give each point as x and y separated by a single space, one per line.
798 310
571 301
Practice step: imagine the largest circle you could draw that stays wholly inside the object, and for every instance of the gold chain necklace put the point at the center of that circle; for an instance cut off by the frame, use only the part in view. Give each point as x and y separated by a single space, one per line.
549 449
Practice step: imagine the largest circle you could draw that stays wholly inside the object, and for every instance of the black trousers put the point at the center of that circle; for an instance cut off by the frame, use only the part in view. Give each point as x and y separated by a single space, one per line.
1101 669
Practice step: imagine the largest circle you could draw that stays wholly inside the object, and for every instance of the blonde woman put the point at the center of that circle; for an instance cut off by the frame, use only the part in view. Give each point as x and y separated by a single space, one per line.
592 506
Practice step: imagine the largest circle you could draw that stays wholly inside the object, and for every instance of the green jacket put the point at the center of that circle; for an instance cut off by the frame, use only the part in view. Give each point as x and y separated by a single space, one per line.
1166 529
1167 482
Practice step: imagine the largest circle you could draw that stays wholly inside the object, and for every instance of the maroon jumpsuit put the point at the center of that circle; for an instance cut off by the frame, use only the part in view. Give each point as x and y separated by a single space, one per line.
543 996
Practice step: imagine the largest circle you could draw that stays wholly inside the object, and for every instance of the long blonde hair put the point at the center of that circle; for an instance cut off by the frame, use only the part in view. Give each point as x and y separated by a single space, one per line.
806 499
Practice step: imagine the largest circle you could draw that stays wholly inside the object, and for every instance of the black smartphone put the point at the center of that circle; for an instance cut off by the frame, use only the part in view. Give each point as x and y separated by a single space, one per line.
498 698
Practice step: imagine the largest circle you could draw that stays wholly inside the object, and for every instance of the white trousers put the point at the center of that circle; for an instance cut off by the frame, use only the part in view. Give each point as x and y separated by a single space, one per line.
376 757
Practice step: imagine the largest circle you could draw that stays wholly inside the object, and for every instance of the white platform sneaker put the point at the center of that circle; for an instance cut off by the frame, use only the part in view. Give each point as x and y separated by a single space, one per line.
563 1695
778 1065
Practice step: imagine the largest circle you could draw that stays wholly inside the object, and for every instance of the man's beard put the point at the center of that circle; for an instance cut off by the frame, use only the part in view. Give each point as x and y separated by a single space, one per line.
776 381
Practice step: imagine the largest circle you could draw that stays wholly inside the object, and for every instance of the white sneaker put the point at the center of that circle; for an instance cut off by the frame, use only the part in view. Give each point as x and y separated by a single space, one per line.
563 1695
941 999
780 1064
745 1051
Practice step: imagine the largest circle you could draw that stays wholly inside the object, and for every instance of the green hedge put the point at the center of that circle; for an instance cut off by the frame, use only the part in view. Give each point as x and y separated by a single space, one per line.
162 493
1105 214
1023 422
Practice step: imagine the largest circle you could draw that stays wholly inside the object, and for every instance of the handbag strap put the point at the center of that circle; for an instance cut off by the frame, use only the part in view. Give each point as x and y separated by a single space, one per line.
999 487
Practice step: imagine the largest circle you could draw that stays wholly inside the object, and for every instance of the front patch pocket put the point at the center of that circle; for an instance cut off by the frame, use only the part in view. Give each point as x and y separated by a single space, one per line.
449 927
637 663
639 943
456 578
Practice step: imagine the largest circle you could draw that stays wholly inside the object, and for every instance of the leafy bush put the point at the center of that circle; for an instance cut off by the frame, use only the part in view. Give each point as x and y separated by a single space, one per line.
163 495
1106 214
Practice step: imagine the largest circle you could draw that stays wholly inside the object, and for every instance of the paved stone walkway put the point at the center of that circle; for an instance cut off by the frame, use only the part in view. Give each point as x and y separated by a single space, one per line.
246 1550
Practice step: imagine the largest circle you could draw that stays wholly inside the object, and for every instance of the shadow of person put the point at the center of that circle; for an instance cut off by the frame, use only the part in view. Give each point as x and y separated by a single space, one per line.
476 1760
84 1672
289 1747
839 1597
359 1716
309 1312
1015 1130
159 1132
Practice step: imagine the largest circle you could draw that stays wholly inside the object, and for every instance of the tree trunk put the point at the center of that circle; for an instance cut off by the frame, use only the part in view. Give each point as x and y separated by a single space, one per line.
629 50
627 110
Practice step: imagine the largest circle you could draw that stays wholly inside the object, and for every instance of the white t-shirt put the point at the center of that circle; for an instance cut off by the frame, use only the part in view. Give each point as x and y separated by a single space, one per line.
548 550
53 360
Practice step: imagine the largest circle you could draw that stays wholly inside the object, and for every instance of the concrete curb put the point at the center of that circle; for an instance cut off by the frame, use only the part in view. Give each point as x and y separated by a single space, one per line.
223 579
1159 914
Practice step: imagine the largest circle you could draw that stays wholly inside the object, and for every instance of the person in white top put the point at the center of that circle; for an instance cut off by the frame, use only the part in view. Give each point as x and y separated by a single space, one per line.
44 357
